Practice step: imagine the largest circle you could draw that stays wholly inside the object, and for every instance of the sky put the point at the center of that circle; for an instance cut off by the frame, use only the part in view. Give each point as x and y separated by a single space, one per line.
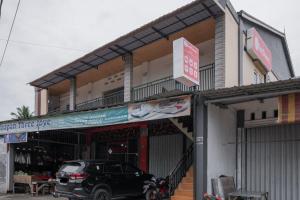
50 33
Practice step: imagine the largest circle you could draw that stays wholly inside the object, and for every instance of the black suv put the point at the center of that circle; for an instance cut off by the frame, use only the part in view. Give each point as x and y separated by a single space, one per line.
99 180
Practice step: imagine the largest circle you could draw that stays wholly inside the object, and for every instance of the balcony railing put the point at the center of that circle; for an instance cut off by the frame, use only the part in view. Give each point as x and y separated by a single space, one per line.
207 81
109 100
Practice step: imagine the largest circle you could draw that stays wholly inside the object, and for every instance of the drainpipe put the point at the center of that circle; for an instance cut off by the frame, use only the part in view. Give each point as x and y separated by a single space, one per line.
200 146
241 52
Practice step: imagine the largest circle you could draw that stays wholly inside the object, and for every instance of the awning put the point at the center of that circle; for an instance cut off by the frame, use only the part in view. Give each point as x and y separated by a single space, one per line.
241 94
163 27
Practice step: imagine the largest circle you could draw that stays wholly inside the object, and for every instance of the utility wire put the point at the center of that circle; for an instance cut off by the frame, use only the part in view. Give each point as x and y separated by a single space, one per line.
43 45
1 2
10 31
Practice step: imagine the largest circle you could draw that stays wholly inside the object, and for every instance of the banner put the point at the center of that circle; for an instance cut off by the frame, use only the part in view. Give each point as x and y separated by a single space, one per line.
160 109
15 138
152 110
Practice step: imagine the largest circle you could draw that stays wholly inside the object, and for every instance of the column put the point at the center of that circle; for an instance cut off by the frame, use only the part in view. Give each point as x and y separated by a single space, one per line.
143 149
37 101
220 52
200 147
128 71
72 102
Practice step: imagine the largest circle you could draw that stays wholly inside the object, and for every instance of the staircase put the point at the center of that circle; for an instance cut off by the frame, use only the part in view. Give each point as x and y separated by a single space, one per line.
181 178
182 127
185 190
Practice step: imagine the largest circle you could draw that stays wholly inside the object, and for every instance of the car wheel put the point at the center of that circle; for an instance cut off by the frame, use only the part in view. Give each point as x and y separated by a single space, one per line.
102 194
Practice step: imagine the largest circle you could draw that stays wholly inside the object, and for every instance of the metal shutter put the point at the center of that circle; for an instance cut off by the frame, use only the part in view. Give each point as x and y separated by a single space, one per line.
164 153
273 161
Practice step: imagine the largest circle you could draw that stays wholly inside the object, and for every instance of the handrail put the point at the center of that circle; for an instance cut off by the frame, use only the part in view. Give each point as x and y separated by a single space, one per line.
180 170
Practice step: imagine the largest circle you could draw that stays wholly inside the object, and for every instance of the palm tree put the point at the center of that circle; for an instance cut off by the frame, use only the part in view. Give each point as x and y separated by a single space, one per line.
22 113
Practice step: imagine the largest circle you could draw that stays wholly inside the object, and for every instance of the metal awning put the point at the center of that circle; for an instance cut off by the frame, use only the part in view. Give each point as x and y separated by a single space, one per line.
241 94
163 27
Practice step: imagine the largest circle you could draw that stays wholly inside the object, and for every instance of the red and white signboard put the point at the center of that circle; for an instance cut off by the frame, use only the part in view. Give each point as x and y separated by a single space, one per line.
258 49
185 62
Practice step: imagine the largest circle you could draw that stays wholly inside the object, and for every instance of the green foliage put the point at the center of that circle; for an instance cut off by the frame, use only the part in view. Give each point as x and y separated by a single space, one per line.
22 113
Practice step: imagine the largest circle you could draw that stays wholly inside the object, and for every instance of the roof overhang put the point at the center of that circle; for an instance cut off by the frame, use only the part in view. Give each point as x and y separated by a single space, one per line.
242 94
160 28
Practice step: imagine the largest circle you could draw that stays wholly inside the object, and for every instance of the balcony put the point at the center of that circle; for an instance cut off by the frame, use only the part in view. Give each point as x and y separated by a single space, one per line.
207 82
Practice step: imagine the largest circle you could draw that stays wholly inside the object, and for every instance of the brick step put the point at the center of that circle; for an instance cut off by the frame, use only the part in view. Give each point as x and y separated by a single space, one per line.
188 193
176 197
186 186
187 180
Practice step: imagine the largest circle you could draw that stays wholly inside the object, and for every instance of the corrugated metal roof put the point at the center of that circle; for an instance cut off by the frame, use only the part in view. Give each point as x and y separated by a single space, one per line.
257 91
164 26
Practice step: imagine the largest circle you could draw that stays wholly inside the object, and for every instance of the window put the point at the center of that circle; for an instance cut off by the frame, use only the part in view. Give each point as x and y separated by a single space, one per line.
129 169
95 168
252 116
264 115
113 168
275 113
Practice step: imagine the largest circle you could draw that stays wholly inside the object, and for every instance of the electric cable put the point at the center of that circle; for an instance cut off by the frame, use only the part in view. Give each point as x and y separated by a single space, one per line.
10 31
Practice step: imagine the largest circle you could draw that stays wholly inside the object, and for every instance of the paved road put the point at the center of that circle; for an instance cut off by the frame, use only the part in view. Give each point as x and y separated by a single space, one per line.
27 197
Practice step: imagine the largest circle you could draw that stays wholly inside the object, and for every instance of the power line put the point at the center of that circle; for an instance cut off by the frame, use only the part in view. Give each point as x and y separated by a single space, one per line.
1 2
10 31
43 45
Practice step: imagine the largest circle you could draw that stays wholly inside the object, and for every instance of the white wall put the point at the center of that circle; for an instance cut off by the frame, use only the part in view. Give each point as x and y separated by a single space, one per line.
221 143
144 73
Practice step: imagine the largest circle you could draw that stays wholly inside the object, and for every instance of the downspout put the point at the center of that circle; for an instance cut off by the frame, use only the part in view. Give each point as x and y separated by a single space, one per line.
241 51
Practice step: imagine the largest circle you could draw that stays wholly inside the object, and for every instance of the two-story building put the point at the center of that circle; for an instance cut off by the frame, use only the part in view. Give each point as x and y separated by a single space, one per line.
122 102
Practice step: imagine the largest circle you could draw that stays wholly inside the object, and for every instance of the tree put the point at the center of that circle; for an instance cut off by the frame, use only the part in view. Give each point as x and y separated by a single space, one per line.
22 113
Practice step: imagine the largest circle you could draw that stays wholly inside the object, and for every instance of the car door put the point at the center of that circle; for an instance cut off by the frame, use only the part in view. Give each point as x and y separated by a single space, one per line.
134 180
113 173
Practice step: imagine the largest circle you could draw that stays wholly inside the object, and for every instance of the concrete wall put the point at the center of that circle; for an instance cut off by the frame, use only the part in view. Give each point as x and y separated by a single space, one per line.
144 73
44 102
3 167
231 50
221 143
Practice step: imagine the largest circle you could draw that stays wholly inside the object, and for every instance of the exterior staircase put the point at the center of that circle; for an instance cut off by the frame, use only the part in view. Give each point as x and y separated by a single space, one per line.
185 190
180 125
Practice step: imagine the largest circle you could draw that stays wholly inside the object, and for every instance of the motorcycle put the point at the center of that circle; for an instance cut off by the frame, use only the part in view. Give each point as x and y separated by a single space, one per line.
156 188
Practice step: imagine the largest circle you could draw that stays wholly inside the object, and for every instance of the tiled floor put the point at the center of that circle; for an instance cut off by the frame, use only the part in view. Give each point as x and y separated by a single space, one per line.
27 197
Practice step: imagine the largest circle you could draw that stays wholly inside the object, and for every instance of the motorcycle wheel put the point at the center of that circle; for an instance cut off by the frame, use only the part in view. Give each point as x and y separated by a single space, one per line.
152 195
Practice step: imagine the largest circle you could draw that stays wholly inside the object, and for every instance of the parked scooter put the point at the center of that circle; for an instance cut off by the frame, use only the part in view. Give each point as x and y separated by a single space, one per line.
156 188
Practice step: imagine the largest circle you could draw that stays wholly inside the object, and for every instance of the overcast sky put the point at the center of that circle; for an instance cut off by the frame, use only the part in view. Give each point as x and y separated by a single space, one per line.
50 33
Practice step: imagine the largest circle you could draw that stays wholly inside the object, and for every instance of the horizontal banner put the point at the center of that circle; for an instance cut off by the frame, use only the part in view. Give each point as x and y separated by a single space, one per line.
152 110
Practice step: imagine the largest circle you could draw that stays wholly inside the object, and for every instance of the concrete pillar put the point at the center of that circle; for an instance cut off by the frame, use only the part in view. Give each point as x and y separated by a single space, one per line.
143 149
128 71
37 101
72 102
220 52
200 147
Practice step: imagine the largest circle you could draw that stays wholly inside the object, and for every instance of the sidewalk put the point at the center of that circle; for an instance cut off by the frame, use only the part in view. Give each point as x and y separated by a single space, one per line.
27 197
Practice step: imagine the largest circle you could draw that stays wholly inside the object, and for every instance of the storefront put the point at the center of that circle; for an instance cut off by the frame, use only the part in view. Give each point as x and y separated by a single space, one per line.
146 139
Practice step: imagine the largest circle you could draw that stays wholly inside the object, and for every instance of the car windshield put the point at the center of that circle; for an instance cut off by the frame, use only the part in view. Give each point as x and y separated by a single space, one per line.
72 167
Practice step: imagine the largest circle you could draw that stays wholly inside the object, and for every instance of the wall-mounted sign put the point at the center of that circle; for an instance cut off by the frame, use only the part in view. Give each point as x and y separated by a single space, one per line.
15 138
151 110
258 50
185 62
